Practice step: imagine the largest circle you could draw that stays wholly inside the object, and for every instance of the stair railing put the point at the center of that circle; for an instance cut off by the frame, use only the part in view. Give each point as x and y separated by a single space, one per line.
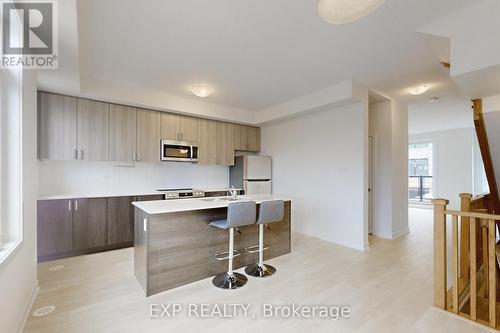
464 285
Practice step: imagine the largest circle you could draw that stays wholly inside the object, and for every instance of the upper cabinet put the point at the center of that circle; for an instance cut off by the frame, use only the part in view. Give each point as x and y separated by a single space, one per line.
246 138
71 128
179 128
148 136
208 152
122 133
93 127
225 144
57 127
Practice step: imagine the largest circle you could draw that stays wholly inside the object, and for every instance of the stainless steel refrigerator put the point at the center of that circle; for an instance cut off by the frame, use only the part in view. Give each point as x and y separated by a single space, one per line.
252 174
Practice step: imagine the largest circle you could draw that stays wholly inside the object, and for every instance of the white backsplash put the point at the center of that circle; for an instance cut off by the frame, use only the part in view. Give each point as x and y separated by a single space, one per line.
74 177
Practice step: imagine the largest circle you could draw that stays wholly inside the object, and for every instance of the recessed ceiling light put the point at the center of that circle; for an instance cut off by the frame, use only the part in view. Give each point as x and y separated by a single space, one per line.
434 100
201 90
345 11
418 90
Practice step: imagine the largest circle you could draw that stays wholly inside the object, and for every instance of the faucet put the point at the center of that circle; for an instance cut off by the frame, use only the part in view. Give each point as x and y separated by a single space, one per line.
233 192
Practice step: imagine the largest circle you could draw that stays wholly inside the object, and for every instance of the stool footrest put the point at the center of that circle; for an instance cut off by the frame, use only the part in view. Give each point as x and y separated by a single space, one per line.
255 249
225 255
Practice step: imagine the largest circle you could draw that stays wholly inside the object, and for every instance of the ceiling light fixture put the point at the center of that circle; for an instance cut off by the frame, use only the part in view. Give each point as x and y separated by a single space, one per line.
418 90
201 90
345 11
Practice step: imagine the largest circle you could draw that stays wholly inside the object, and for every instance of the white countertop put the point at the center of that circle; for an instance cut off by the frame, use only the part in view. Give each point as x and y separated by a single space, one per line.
185 205
117 194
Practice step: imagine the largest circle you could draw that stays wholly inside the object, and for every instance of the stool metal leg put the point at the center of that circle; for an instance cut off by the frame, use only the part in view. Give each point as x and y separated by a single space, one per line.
230 280
260 269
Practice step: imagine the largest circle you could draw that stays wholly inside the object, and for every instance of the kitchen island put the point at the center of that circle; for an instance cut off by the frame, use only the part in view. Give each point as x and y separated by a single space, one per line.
174 244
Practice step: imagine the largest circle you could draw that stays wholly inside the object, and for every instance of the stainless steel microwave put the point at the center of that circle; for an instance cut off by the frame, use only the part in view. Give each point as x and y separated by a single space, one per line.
178 151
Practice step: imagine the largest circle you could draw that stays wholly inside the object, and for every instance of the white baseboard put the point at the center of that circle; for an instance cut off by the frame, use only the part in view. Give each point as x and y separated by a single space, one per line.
27 309
401 233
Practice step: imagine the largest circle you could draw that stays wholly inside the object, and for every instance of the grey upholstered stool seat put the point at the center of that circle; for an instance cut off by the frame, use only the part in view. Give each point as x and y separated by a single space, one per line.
238 214
269 212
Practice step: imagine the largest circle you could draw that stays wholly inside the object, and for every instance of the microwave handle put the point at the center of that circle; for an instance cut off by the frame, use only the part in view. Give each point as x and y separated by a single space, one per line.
191 151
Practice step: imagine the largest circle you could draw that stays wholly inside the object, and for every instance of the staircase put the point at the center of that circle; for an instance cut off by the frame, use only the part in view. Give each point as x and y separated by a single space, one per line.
471 289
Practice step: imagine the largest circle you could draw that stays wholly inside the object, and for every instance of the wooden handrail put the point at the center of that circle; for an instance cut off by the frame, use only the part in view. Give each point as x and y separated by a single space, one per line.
483 216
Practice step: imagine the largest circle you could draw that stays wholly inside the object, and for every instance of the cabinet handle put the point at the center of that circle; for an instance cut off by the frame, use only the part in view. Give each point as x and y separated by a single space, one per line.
81 154
69 205
76 205
75 155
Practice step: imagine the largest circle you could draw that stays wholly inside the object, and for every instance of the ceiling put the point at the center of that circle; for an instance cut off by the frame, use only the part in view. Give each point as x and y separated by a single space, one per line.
257 53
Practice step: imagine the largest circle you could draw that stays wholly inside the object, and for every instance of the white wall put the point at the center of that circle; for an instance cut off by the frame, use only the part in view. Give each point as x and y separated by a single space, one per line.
81 177
18 276
320 162
389 129
453 165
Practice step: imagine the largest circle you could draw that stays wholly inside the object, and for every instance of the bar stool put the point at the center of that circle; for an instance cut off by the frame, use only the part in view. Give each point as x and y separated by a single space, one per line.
238 214
269 212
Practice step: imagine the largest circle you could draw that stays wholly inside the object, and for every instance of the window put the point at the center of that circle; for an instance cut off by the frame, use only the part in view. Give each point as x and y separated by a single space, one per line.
10 160
420 171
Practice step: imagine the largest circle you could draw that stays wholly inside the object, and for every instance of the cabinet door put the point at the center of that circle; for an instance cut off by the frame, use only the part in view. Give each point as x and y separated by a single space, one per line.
240 137
93 127
253 139
170 126
189 129
90 217
57 126
148 136
54 227
226 143
120 220
122 133
207 153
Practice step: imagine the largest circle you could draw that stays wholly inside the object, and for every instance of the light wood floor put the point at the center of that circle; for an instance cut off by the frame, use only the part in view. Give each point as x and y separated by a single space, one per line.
389 288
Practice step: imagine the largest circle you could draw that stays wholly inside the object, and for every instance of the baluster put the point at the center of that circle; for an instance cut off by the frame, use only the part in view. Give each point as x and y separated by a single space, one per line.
492 272
473 270
454 262
484 230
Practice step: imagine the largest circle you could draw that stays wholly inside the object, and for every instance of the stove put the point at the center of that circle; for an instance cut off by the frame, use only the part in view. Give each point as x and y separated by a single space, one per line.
182 193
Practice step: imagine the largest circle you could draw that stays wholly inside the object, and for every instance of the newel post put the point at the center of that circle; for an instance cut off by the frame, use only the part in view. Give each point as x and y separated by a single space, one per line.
440 252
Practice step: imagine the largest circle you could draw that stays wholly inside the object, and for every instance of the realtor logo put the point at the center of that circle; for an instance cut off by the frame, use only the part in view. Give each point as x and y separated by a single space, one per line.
29 34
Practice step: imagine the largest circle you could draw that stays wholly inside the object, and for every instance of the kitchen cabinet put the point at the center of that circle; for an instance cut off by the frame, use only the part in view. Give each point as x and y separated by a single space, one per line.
72 227
225 144
179 128
55 227
190 129
57 126
148 136
170 126
208 145
247 138
253 139
122 133
93 127
120 220
71 128
89 223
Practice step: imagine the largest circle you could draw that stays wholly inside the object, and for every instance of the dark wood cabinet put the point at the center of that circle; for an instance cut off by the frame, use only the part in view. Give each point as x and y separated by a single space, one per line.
90 223
79 226
120 220
55 227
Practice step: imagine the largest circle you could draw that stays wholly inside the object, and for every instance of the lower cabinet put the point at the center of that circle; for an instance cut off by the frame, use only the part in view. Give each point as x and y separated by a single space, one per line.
55 227
120 220
89 222
78 226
